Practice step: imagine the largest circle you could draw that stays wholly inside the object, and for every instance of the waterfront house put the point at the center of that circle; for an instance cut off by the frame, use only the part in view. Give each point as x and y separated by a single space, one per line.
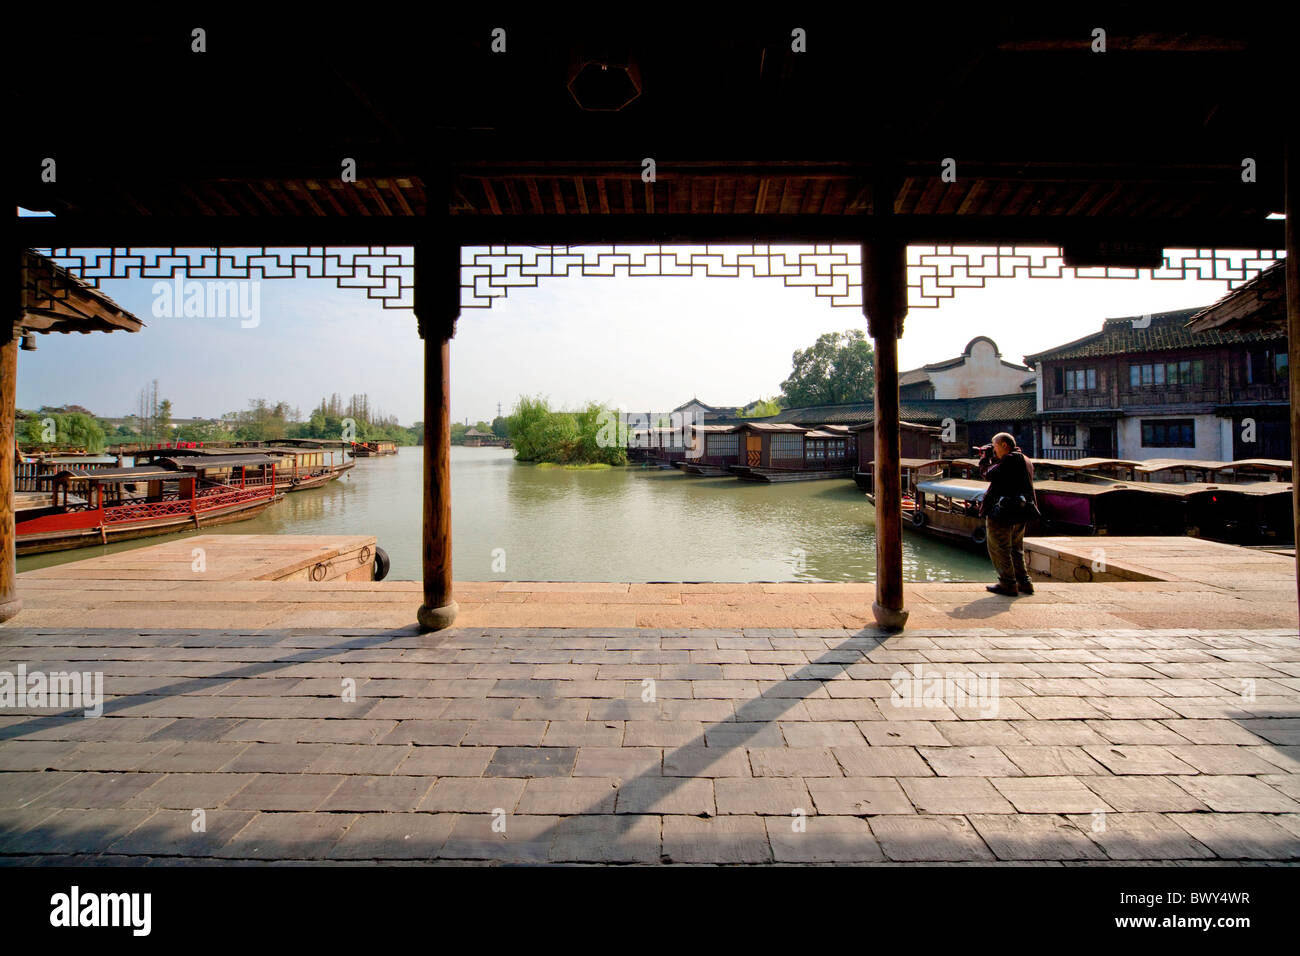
962 422
918 446
772 444
1258 306
1147 386
713 449
783 451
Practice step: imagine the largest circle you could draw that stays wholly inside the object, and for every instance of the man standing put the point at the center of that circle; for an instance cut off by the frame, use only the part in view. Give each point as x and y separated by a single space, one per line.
1007 508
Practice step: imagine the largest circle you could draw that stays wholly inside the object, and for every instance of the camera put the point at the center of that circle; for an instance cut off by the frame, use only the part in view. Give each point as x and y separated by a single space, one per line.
983 451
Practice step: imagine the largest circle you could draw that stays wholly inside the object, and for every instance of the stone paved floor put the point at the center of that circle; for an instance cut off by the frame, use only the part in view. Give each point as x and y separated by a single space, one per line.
637 745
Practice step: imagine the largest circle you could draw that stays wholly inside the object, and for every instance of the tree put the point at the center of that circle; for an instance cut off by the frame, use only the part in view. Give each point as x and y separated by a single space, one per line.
163 418
200 432
75 430
501 427
838 368
763 408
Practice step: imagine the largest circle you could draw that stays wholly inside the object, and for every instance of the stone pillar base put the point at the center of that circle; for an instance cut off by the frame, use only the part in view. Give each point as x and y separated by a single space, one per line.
889 618
437 618
9 608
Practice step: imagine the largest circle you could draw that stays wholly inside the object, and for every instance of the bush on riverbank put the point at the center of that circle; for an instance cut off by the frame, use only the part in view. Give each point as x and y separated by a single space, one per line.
561 437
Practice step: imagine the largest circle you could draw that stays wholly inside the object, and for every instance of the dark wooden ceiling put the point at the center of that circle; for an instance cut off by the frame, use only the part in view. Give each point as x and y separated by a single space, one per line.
1154 130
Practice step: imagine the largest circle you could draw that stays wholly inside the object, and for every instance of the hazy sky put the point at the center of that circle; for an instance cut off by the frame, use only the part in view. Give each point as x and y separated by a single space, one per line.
636 343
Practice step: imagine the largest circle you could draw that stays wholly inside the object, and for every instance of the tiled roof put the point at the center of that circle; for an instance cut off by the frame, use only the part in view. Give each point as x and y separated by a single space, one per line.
996 408
919 411
1260 303
1165 331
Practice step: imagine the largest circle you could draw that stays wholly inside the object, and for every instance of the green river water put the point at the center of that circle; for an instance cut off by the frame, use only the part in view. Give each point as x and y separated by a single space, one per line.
514 521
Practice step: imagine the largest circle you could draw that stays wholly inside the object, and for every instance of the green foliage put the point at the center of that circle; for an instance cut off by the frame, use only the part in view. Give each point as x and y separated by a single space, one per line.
838 368
562 437
764 408
327 420
71 430
200 432
501 426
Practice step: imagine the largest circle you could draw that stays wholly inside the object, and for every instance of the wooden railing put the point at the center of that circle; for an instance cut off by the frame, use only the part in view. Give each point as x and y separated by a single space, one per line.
1170 395
27 474
1064 454
1079 400
1259 393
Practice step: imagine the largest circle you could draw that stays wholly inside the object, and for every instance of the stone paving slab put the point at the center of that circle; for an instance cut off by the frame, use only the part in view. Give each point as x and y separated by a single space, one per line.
658 745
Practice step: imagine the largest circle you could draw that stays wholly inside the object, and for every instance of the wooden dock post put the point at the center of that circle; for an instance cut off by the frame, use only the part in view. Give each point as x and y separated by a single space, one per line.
10 603
437 307
884 300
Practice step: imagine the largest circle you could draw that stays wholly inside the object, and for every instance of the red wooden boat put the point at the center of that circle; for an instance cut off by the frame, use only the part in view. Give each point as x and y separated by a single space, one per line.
178 494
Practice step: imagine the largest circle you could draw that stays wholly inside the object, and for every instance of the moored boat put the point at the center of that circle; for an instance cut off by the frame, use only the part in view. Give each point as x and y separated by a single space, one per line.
176 494
298 468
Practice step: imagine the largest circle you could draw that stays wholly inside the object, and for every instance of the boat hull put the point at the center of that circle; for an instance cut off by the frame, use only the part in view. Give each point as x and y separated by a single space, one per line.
303 484
44 542
705 471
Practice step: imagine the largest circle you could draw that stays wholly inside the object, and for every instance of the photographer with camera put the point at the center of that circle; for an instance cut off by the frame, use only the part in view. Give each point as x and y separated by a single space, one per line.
1008 506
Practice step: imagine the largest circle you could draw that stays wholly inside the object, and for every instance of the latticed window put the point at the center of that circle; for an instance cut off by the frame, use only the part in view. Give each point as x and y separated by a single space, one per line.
1080 379
787 446
1063 436
721 445
816 450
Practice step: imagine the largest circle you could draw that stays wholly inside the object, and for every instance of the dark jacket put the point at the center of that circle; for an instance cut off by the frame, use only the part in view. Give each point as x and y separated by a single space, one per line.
1010 476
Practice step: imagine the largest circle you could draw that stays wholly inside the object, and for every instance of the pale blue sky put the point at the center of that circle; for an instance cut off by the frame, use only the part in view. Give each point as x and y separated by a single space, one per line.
637 343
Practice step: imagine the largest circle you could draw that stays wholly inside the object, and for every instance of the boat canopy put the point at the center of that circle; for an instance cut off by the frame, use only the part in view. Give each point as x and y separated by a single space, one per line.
1173 464
313 442
201 462
1080 488
112 476
963 489
1189 488
1269 464
1079 464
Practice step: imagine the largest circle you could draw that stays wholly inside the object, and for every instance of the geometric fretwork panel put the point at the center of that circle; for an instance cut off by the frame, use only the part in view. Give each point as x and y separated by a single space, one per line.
935 273
834 272
488 273
386 273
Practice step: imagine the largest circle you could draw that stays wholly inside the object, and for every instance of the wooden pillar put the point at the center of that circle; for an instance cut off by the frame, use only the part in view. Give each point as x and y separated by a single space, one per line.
884 299
437 306
1292 269
10 603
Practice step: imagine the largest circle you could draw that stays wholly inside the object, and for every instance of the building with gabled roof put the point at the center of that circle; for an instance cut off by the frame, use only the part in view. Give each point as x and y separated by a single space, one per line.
979 370
1147 386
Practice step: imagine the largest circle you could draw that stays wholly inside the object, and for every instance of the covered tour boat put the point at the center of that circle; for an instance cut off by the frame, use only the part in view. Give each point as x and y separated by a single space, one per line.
175 494
298 468
374 449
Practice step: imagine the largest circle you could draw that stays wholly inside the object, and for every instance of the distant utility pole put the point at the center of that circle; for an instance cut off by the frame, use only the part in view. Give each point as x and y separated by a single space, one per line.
498 409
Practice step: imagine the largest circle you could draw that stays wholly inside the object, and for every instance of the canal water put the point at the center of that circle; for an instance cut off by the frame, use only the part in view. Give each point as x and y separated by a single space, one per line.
514 521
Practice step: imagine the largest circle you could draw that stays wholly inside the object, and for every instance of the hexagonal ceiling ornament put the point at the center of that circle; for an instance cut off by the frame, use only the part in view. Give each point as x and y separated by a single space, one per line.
604 86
